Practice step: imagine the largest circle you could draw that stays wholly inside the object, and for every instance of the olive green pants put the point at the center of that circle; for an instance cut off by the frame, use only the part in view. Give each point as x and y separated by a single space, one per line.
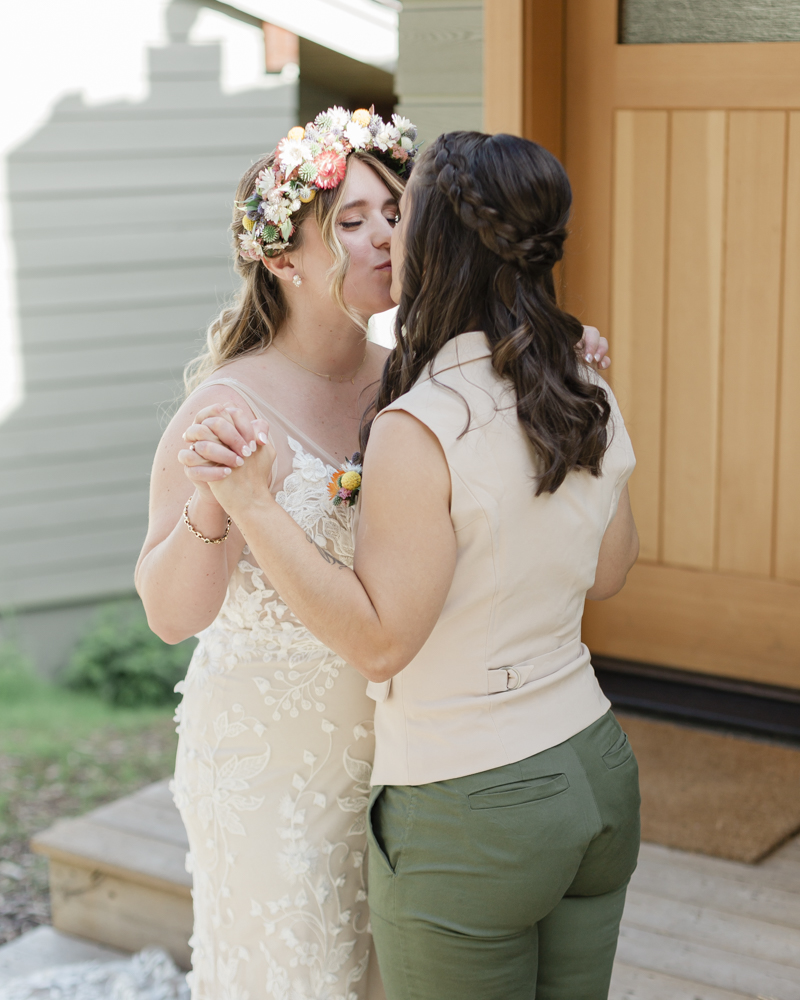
508 884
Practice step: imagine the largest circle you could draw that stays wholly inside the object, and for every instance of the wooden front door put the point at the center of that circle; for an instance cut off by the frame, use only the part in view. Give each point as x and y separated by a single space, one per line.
685 163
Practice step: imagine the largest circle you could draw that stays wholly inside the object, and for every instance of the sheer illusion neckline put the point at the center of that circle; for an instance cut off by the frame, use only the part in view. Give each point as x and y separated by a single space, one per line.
258 403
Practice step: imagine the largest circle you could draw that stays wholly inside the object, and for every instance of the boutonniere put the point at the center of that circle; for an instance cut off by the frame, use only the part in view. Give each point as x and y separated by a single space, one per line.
345 484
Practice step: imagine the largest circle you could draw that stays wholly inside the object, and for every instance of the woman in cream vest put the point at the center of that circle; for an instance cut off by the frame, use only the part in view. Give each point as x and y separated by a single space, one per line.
504 815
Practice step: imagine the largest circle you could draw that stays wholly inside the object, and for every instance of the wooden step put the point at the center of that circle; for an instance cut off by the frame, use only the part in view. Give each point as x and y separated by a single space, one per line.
118 874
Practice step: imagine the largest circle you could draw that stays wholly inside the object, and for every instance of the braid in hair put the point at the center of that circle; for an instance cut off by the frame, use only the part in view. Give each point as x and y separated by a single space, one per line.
505 238
486 224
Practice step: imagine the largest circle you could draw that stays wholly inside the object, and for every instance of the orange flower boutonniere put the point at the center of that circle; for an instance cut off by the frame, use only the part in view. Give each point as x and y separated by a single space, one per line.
345 484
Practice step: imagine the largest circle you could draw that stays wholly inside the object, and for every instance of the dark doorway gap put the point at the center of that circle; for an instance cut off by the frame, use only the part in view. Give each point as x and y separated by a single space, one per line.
691 697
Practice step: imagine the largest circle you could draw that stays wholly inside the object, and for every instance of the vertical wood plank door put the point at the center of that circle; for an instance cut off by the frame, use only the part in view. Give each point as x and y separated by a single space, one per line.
685 247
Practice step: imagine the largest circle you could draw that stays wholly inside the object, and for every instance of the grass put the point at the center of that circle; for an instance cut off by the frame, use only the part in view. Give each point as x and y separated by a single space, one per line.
62 753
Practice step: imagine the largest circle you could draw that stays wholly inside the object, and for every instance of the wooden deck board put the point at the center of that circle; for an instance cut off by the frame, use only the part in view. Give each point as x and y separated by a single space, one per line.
769 874
759 939
722 893
146 817
707 965
630 983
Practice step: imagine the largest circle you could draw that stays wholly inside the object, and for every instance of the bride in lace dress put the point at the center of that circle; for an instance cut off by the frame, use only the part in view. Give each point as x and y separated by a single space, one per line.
275 730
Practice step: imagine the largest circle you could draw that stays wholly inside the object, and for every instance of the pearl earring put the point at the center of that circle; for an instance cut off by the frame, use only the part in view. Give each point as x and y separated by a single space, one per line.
297 280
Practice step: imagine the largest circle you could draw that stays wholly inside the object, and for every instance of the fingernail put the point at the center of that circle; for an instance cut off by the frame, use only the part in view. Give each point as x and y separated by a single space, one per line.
227 472
589 358
239 461
246 452
597 358
263 438
252 446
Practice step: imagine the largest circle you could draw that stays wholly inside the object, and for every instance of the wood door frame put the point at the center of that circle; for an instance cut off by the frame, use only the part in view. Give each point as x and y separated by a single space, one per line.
523 91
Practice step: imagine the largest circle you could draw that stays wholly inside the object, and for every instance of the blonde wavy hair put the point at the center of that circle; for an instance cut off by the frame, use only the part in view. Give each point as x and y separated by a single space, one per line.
248 324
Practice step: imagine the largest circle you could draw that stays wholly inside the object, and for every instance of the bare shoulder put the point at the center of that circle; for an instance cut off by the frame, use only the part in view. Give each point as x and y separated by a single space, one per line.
205 396
210 395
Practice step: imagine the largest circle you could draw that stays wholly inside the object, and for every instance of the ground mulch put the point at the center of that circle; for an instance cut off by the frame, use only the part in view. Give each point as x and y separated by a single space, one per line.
35 792
714 793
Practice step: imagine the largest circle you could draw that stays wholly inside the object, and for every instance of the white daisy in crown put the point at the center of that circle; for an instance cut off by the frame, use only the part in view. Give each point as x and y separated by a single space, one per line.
339 118
291 153
357 135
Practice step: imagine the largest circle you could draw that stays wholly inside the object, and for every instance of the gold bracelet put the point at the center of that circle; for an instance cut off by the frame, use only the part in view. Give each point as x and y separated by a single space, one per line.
194 531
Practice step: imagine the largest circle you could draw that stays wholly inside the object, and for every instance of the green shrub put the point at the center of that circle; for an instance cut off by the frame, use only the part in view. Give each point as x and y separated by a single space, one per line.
125 663
17 678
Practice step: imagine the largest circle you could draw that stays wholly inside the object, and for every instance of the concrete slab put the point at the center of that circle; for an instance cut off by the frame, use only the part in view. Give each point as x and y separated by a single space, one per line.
45 947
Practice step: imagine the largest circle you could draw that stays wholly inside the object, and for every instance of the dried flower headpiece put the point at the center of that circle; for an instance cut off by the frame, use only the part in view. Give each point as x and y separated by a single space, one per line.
314 159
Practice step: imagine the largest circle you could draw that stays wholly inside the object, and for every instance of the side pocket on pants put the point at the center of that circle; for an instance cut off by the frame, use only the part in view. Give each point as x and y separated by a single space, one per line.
621 752
376 846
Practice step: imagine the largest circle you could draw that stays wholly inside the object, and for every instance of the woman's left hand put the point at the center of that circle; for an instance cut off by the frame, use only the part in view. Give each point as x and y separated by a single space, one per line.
250 482
593 348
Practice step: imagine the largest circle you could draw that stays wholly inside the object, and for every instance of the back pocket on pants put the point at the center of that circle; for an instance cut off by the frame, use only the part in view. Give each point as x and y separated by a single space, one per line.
517 793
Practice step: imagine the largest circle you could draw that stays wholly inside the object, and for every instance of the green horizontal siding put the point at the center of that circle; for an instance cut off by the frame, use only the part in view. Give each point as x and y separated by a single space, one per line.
119 216
440 69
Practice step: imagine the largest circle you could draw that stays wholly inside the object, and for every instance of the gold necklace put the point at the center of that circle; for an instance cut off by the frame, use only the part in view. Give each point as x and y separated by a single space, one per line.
351 378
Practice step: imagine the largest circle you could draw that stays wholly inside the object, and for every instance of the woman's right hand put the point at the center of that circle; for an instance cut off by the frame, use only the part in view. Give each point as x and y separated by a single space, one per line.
219 439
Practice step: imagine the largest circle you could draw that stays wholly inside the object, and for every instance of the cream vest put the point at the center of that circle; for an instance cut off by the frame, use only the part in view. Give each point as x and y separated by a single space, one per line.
504 674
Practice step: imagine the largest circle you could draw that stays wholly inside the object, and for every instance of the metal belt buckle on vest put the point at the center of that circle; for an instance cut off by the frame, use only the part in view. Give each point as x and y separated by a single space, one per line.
514 679
503 679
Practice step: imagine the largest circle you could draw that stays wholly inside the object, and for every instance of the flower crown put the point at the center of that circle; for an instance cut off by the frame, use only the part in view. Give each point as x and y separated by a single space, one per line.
314 159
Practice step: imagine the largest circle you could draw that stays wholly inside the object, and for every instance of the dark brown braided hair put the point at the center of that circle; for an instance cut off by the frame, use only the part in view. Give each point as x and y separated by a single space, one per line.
486 222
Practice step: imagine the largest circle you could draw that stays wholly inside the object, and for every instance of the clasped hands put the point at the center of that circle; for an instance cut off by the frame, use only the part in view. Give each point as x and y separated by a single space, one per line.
224 439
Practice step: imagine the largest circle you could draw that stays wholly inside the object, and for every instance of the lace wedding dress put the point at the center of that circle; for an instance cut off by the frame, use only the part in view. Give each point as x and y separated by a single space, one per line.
272 775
